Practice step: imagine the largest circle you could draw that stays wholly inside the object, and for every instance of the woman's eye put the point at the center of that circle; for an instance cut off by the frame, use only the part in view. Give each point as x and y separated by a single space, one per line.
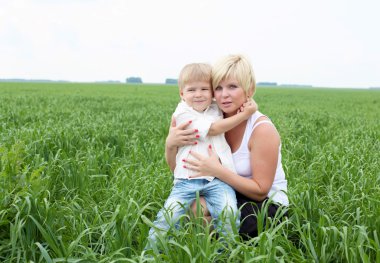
218 88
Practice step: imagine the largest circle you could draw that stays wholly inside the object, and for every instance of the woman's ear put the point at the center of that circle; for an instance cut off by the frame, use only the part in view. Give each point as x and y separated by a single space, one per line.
250 92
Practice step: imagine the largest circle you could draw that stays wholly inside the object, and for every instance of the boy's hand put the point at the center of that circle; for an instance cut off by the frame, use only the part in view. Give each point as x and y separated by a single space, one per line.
249 107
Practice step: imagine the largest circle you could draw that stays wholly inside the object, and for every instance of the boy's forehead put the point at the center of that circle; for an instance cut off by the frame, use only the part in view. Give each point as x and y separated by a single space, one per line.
195 84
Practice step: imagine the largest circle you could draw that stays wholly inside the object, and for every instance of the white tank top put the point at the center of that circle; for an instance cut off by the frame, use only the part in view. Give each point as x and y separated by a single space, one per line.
242 161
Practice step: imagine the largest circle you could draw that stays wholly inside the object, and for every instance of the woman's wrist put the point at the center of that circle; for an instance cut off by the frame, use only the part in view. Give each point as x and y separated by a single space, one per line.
170 146
221 172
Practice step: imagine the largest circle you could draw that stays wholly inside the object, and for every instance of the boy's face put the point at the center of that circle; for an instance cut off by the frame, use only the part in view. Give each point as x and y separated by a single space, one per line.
197 94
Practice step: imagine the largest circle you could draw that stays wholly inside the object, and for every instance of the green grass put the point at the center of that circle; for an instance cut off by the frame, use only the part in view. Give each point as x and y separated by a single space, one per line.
82 173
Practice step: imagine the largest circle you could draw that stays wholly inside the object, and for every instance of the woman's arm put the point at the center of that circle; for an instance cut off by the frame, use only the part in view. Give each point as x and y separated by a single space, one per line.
170 156
264 146
177 137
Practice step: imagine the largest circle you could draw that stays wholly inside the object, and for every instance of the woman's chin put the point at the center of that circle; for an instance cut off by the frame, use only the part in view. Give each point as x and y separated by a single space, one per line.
229 111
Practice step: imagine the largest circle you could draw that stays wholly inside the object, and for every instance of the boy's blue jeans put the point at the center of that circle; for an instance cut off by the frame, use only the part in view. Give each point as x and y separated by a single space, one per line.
220 199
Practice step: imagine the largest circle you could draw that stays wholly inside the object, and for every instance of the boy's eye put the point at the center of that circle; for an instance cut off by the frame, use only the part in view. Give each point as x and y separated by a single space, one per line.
205 89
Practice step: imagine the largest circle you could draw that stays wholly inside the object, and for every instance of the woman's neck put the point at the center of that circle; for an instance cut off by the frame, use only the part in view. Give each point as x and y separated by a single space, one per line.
226 115
234 136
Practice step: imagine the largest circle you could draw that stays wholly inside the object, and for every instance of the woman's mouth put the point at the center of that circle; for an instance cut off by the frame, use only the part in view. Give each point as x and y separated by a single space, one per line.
226 104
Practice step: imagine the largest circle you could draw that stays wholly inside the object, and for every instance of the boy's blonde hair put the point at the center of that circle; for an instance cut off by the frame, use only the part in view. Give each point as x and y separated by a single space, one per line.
194 72
236 67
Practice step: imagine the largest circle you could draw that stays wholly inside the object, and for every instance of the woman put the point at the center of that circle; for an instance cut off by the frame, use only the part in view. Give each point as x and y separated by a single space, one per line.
255 146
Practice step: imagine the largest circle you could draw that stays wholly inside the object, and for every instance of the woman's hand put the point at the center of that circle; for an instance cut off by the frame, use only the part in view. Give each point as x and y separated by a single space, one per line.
177 137
180 136
202 165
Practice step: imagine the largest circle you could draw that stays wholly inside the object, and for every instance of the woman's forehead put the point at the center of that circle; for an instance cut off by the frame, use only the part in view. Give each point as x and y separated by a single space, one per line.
229 80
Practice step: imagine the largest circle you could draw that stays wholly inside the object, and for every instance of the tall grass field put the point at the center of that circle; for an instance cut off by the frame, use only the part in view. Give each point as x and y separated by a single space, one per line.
83 175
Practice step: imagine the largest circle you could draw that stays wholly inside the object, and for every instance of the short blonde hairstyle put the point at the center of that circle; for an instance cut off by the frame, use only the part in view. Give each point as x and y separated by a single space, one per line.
235 67
194 72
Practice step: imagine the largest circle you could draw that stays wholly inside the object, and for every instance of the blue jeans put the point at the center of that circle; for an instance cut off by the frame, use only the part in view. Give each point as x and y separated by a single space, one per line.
220 199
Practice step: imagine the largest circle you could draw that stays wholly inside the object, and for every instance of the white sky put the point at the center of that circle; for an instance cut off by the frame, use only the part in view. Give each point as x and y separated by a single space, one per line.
316 42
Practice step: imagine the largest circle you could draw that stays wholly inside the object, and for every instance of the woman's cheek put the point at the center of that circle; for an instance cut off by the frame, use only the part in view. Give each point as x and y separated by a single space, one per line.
217 96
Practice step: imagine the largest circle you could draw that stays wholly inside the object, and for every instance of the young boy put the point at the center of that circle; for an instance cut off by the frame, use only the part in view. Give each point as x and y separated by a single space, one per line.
197 106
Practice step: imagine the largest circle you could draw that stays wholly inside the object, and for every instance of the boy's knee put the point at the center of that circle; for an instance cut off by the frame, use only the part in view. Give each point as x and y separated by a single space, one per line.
202 206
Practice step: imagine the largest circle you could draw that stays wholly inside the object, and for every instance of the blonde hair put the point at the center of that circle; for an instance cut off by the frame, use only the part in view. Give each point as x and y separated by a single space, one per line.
194 72
236 67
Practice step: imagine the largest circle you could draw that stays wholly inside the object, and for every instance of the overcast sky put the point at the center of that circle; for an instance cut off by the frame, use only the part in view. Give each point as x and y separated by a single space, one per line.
317 42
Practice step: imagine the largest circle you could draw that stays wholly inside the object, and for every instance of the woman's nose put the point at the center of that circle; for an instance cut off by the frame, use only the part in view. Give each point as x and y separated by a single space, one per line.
225 93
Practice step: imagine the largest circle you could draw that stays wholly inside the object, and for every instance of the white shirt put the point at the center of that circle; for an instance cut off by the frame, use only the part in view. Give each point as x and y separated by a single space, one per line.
201 121
242 161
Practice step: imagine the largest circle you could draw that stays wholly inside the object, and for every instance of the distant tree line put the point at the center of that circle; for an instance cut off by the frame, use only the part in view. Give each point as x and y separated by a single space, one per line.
171 81
139 80
266 84
273 84
134 80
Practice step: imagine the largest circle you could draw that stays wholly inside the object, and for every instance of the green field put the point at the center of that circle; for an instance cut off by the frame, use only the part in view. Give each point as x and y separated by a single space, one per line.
82 174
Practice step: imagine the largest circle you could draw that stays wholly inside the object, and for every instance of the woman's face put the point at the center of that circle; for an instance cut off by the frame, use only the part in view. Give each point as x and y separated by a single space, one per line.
229 96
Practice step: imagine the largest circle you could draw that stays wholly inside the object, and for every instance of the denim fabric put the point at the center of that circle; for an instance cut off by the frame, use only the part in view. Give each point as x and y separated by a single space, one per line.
220 199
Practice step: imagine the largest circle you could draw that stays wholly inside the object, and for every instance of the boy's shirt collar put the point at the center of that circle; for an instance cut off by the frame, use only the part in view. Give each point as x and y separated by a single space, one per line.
184 106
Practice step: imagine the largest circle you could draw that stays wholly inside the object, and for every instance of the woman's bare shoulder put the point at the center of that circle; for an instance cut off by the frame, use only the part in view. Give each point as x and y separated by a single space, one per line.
264 133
